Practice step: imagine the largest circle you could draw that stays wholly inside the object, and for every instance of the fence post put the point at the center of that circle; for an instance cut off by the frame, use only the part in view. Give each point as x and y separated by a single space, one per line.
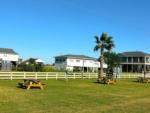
24 75
74 75
118 77
66 77
36 75
47 76
89 75
56 76
11 76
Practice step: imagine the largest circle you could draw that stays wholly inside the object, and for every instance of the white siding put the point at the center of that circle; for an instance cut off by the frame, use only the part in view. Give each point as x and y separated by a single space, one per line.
61 65
9 57
85 63
70 63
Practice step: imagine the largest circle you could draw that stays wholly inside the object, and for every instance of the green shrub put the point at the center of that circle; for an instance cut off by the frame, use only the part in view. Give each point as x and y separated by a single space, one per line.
48 68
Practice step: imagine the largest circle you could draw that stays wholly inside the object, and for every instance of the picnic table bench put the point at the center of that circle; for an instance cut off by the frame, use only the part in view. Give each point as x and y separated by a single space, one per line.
148 80
111 81
143 80
31 83
108 81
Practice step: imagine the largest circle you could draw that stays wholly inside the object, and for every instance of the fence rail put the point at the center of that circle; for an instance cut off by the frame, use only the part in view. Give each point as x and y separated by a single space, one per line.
59 75
45 75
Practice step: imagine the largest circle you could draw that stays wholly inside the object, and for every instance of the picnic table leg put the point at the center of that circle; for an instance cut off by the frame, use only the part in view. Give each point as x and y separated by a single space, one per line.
41 87
28 87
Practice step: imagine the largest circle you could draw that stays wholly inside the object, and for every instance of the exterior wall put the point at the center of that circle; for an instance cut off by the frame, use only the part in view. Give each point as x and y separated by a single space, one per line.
84 63
9 57
8 61
61 65
71 63
135 64
147 60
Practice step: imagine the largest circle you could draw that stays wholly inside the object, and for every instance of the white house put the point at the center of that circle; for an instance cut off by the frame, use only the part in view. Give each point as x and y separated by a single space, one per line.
39 61
135 61
36 60
77 63
8 58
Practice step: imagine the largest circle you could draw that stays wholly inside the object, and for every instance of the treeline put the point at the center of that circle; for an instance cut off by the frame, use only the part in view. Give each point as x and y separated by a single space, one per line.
32 66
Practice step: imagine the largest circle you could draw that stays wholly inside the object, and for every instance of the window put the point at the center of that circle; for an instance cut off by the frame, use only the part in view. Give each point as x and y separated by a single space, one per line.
59 60
84 61
96 63
5 55
129 59
91 61
63 59
124 59
147 59
77 60
141 59
135 59
71 60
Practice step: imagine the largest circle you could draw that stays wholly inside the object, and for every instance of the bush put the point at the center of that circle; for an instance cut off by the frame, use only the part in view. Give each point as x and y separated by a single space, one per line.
48 68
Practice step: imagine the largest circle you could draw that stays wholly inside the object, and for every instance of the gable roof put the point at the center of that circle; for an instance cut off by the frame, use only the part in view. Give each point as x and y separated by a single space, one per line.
135 53
8 51
77 56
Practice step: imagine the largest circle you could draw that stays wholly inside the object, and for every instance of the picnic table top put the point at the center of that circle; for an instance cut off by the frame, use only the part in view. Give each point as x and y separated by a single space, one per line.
31 80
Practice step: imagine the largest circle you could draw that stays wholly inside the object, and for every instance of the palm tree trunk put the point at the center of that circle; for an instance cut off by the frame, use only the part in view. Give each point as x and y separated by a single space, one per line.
110 68
102 61
100 75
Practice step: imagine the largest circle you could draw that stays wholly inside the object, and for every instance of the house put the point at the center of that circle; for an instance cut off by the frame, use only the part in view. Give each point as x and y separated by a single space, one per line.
135 61
33 61
77 63
8 59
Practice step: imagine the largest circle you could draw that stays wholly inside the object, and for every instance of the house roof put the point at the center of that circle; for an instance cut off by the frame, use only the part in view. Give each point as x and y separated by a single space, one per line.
77 56
36 60
7 51
39 61
135 53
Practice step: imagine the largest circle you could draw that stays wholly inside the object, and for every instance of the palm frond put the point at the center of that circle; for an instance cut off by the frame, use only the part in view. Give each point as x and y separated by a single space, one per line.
97 47
97 39
110 43
109 40
104 37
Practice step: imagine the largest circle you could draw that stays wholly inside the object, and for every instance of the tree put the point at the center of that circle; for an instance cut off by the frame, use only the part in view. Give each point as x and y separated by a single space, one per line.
110 45
101 44
113 60
30 65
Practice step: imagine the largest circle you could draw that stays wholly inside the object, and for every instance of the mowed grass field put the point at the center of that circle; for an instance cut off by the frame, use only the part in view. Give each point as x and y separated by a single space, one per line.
75 96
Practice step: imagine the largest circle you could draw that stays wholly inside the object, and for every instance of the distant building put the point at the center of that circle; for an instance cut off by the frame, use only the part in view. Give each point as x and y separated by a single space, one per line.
77 63
39 60
8 59
135 61
33 61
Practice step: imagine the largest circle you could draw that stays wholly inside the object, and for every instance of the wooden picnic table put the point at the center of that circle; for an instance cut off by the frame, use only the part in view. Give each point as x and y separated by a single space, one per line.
31 83
143 80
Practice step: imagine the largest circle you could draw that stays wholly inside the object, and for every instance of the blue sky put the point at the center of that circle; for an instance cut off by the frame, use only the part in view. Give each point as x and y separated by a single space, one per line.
47 28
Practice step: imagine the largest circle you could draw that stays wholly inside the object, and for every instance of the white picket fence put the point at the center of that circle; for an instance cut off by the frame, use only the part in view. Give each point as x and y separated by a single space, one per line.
59 75
45 75
129 75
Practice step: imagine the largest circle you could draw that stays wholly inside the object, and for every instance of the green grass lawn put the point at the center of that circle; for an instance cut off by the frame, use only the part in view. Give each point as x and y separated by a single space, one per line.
75 96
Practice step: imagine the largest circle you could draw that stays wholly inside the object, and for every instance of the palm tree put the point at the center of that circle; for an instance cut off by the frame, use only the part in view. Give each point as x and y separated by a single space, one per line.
101 43
113 61
110 45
